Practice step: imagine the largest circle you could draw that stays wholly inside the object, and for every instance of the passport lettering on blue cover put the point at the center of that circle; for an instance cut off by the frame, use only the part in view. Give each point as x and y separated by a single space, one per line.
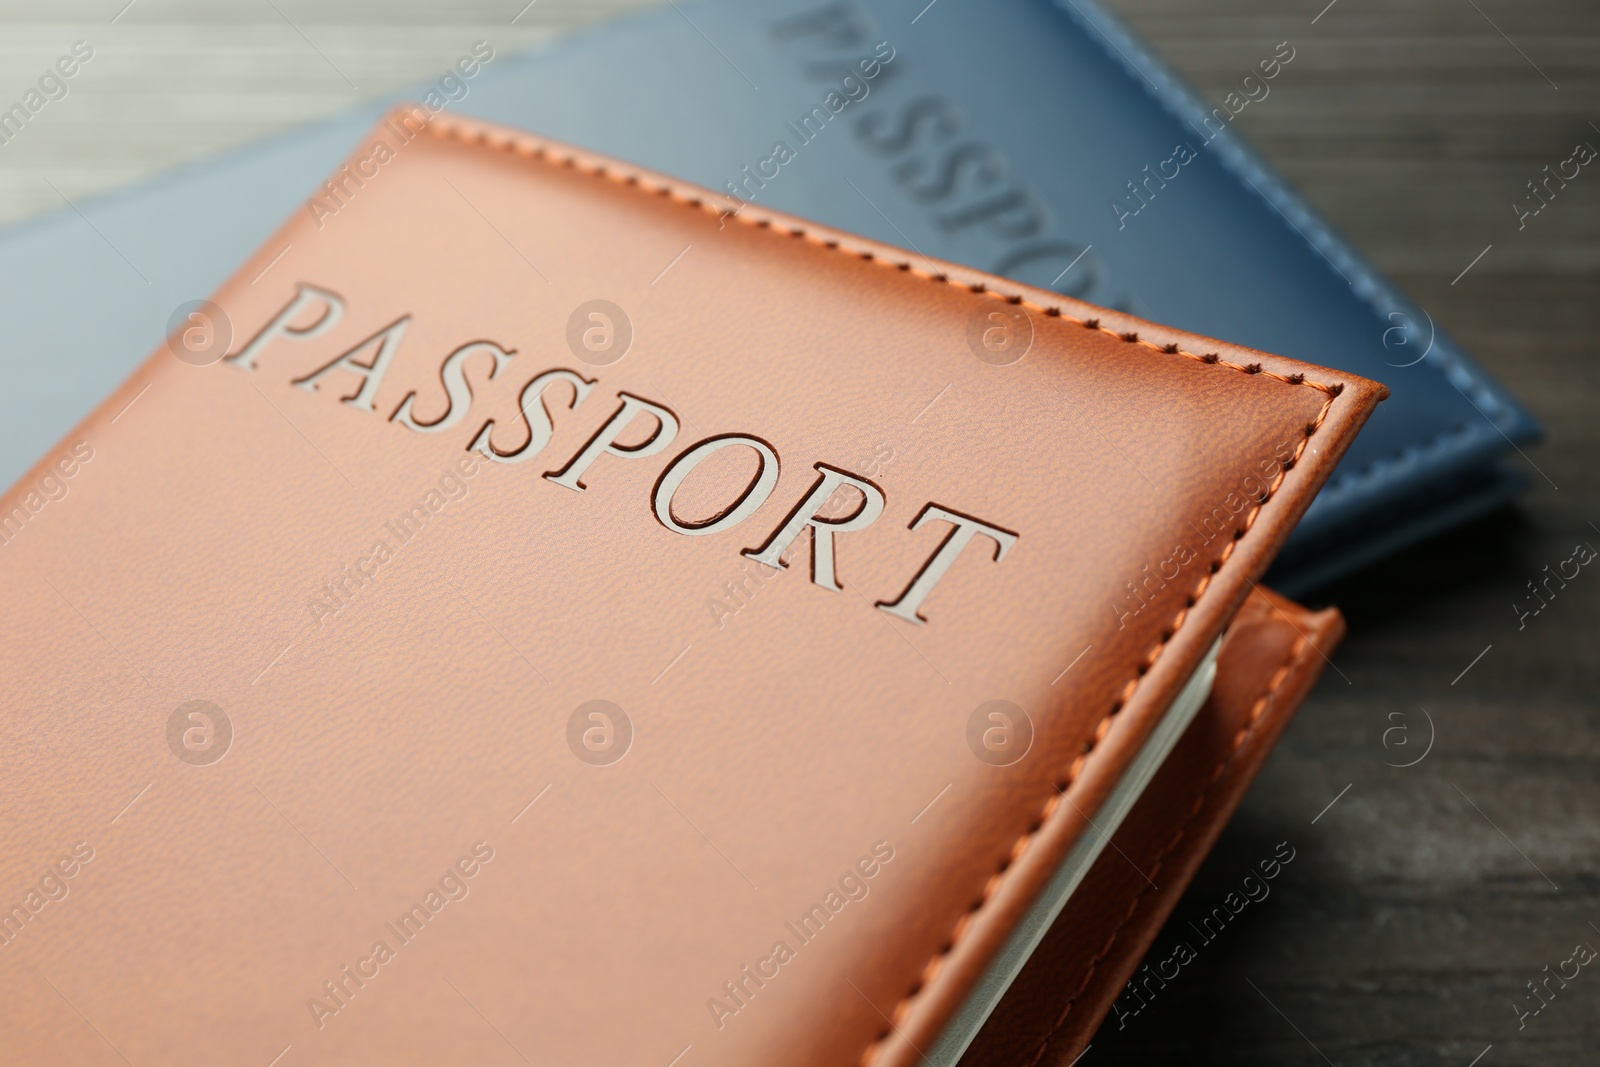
1037 140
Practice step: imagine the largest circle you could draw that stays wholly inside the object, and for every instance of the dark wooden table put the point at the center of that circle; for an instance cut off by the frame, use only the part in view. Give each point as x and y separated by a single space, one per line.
1423 901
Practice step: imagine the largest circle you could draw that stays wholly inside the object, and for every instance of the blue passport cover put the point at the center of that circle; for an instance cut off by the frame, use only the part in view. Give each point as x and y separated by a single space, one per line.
1037 140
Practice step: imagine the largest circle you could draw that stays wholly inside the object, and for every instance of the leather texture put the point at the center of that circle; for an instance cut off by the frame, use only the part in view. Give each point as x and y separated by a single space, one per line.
1271 657
997 137
418 719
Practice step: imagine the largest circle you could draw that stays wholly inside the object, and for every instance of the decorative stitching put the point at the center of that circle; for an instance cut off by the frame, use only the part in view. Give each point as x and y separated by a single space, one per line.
1235 156
1407 453
1257 710
931 970
528 146
525 145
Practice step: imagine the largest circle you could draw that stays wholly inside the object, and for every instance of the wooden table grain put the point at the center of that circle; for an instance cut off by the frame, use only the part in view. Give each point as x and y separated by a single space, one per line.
1425 898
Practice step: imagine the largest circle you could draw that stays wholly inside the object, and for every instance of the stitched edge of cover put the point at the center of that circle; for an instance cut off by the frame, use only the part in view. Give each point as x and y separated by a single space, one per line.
1238 157
1296 654
527 146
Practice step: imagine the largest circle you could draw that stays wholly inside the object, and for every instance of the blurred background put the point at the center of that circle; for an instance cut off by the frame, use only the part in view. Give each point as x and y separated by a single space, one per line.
1425 898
